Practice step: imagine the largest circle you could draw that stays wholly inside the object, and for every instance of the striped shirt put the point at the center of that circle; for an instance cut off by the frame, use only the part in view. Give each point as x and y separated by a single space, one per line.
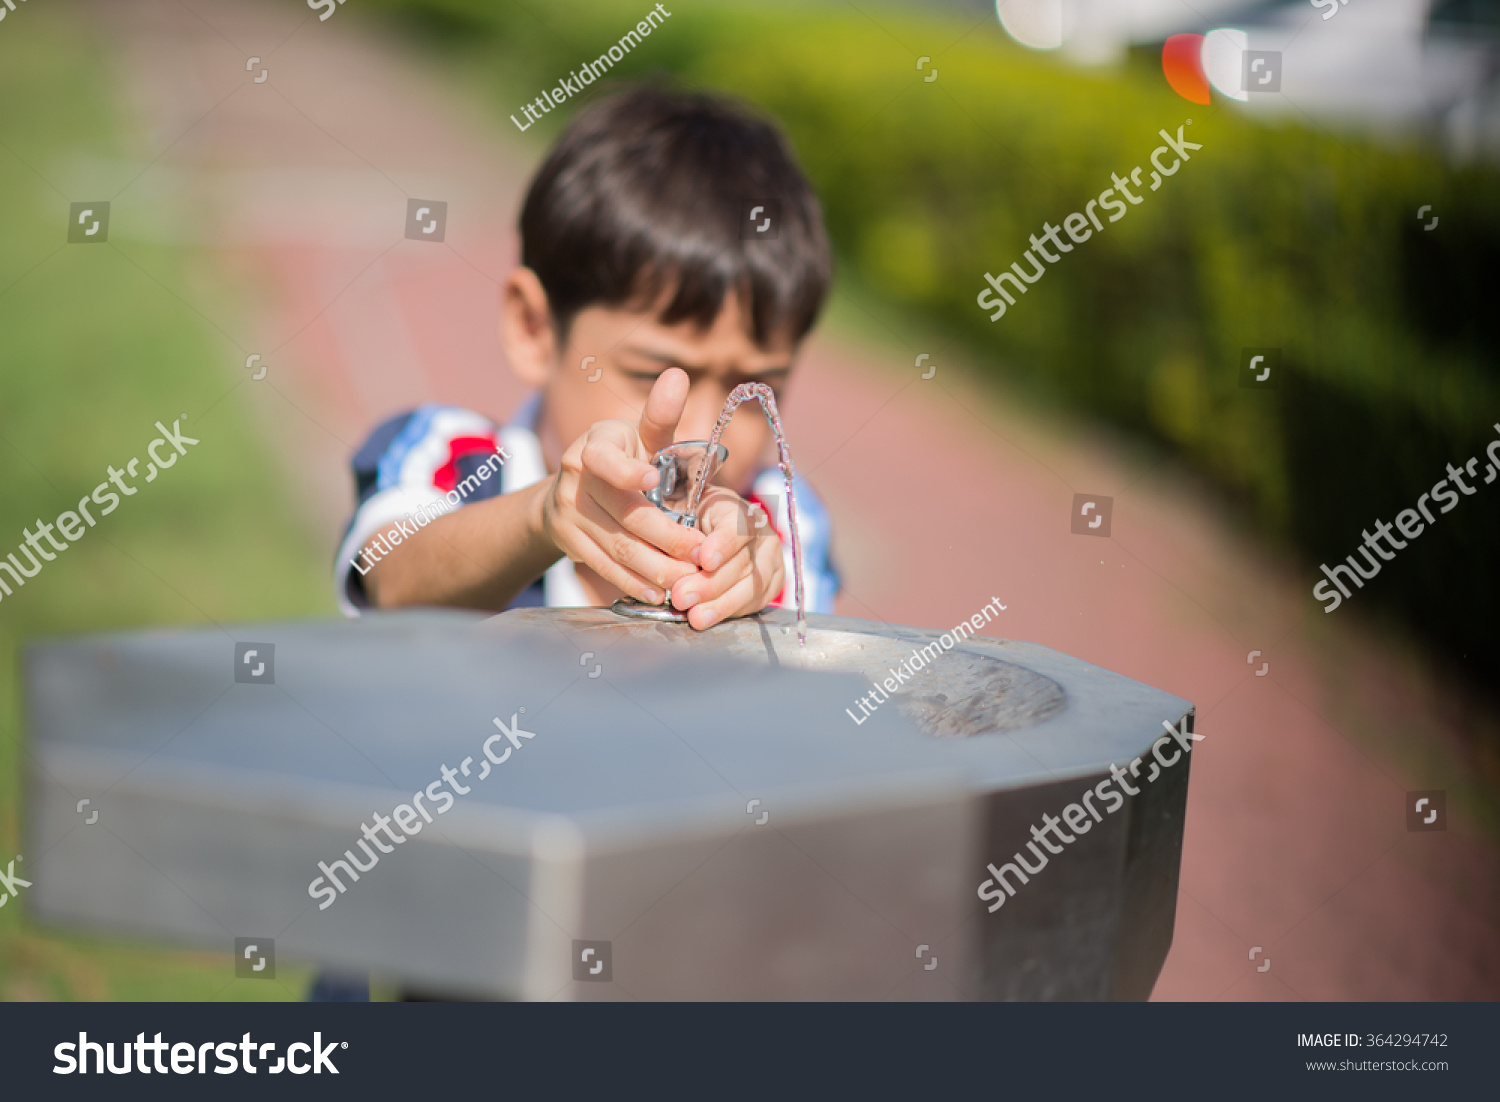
438 458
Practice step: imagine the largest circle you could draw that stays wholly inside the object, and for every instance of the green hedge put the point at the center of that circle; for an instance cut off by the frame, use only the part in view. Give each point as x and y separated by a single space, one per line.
1273 235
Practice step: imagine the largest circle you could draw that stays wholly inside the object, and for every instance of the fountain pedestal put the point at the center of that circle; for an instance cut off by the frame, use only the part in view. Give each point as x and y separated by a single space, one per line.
696 808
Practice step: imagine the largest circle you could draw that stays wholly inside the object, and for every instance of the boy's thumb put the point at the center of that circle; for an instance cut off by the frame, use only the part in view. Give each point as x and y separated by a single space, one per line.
664 406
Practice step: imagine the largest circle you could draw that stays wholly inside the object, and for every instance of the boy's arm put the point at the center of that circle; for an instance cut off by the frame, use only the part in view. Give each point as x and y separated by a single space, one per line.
481 556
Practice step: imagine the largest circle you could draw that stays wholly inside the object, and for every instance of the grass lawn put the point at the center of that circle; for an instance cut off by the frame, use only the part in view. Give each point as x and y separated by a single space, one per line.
98 342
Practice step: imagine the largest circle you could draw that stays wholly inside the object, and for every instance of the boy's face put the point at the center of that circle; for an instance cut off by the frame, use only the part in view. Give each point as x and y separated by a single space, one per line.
613 356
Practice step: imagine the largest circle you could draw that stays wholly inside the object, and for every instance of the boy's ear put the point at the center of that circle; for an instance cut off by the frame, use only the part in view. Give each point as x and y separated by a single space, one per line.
527 332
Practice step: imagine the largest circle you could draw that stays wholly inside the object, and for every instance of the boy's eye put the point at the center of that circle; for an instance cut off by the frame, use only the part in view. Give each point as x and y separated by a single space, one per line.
773 379
647 376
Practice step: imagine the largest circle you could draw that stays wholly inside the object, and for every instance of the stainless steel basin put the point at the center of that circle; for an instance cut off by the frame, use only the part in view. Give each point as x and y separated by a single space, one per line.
973 691
698 807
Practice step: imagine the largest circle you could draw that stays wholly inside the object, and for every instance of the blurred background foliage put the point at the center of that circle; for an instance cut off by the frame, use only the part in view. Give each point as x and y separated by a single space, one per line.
96 344
1278 235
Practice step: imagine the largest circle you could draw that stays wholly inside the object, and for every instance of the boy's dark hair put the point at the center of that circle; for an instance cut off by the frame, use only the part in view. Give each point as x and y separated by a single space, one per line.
649 191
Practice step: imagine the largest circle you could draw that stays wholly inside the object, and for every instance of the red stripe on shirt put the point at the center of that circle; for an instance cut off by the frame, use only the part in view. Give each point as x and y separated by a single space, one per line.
445 478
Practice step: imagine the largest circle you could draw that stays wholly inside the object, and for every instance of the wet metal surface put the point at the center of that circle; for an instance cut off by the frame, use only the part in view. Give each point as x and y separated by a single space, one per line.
969 692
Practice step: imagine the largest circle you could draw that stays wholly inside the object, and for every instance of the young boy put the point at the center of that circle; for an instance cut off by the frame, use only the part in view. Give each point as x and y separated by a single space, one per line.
645 294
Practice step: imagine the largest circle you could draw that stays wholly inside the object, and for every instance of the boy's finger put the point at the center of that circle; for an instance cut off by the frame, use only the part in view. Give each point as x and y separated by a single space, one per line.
721 545
596 559
605 457
739 600
632 512
634 552
649 523
730 525
696 589
664 406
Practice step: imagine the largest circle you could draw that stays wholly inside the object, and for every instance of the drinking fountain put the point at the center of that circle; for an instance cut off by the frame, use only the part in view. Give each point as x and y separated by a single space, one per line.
635 810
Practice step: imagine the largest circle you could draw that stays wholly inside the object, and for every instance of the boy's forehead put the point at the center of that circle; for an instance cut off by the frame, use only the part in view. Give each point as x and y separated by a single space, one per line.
639 331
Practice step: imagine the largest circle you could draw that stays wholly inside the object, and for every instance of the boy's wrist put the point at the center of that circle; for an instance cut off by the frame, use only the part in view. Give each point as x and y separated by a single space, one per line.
538 531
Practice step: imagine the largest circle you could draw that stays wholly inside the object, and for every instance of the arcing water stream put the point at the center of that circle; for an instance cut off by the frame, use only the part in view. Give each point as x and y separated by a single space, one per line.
767 398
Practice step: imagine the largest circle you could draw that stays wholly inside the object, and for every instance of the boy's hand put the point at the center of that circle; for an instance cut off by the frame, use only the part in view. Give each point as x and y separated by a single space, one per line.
594 511
742 564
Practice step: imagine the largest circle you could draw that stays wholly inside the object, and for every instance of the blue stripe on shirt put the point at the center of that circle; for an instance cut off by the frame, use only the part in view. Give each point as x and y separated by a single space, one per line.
818 551
366 461
415 430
